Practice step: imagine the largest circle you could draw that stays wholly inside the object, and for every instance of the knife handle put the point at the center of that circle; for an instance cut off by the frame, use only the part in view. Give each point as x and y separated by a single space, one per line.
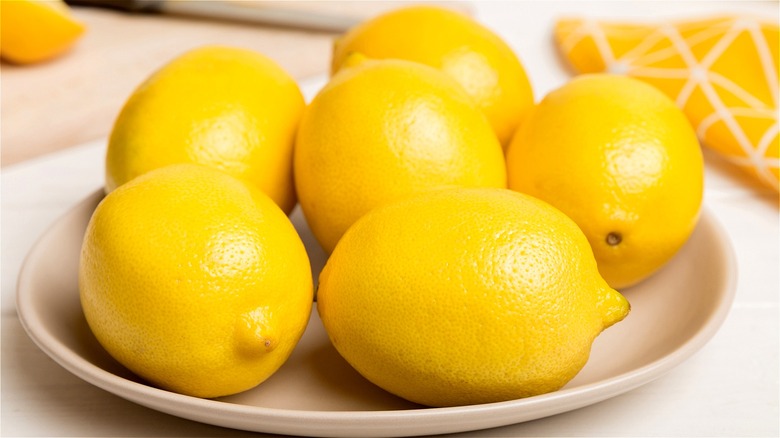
124 5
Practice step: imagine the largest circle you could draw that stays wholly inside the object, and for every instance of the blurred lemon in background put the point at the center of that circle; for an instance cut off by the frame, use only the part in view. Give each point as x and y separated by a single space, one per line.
229 108
477 58
194 281
621 159
465 296
36 30
384 129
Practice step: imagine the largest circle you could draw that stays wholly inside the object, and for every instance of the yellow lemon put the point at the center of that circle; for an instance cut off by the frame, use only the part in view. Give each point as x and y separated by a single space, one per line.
618 157
472 54
383 129
721 70
36 30
224 107
194 281
465 296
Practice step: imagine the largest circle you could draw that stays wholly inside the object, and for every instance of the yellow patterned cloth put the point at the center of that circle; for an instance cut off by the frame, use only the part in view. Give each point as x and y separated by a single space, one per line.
722 72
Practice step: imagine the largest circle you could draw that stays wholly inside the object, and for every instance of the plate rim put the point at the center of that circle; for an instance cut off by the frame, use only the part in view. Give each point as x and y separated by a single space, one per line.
402 422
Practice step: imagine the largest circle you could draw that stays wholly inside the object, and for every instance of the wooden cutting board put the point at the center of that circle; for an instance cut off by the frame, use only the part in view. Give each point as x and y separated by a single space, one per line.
76 97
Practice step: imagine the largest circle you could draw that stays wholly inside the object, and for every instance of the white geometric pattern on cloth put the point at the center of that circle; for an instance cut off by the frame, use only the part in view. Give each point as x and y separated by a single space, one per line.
697 74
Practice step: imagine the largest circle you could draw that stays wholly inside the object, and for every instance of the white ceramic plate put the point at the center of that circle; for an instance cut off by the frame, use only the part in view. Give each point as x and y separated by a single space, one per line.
316 393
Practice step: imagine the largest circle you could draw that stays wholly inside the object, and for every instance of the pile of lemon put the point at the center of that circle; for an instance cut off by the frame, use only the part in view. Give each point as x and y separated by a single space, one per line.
475 238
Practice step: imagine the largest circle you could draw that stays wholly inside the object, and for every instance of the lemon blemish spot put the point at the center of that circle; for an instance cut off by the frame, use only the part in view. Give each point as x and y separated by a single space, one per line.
614 239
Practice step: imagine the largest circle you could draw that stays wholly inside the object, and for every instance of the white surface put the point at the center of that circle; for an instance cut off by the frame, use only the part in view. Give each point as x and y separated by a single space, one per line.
730 388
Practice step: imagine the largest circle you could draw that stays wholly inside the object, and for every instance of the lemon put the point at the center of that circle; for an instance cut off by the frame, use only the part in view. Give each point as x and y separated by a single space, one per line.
477 58
464 296
36 30
618 157
384 129
224 107
194 281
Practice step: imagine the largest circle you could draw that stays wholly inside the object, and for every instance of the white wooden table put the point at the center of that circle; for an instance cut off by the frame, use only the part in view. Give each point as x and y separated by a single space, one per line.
729 388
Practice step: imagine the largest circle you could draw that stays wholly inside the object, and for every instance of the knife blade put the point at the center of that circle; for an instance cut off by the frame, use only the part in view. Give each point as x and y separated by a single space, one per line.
245 11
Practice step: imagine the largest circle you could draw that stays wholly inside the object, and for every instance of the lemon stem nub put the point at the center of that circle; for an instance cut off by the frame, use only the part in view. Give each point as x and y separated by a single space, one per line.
353 59
614 239
254 333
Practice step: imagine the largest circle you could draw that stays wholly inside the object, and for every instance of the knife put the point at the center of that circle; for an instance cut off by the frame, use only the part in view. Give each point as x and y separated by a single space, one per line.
245 11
